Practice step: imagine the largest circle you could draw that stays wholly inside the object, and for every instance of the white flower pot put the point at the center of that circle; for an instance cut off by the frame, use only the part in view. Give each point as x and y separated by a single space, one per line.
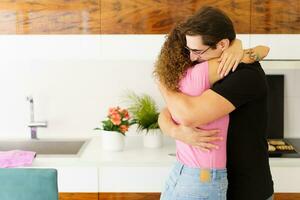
112 141
153 139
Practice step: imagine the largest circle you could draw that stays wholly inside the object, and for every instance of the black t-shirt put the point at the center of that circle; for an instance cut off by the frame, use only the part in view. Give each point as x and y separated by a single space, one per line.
248 167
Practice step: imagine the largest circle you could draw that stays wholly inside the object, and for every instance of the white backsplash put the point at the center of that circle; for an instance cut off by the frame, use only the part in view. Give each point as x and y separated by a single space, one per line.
74 79
72 95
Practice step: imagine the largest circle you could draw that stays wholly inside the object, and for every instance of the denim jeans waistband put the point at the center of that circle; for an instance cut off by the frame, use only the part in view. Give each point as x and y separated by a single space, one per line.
183 169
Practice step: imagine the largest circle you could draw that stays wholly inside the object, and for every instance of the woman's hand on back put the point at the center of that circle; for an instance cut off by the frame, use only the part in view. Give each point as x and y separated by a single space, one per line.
230 58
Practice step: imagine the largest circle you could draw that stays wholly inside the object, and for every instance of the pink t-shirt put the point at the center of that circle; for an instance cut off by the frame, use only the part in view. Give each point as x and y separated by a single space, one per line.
195 82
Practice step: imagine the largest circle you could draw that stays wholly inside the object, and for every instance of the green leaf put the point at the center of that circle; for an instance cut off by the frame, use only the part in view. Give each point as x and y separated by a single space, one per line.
143 110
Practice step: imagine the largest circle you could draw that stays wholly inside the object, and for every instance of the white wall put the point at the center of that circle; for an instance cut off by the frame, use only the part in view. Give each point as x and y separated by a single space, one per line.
74 79
138 47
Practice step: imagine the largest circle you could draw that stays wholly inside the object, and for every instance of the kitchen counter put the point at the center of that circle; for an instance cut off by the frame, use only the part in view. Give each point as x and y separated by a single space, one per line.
95 170
91 154
134 154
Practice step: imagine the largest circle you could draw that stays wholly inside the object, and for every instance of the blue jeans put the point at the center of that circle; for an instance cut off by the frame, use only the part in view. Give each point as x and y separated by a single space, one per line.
184 183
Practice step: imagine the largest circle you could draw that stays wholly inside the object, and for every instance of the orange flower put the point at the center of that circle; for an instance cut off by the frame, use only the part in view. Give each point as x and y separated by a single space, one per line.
115 119
125 114
112 111
123 128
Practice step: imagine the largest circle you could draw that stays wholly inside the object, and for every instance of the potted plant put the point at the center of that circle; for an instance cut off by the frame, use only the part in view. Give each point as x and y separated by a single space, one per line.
145 114
114 128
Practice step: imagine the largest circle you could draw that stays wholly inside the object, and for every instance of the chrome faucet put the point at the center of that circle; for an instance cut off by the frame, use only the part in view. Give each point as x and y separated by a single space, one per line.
33 125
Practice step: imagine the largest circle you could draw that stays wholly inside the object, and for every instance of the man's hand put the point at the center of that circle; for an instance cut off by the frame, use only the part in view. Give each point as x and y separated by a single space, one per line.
202 139
230 58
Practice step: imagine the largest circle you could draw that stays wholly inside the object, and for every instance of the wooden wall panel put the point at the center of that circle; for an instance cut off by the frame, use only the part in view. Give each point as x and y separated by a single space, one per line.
156 17
145 196
78 196
155 196
287 196
141 16
129 196
275 16
50 17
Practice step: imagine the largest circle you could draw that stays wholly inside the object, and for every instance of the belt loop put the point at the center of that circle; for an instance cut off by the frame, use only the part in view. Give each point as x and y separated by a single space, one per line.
181 168
214 174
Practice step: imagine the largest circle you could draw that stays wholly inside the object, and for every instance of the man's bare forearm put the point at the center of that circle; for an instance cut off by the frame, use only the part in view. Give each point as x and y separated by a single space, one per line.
177 104
166 124
200 138
170 128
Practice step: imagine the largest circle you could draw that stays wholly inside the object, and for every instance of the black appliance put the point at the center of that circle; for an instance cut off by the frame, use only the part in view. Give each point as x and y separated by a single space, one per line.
275 127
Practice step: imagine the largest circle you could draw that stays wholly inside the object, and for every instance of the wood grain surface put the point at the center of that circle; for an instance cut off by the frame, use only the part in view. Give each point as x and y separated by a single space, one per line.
78 196
141 16
275 17
145 196
50 17
158 16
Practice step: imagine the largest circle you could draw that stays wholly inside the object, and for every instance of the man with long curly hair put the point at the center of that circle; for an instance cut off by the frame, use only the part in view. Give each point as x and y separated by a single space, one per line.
204 107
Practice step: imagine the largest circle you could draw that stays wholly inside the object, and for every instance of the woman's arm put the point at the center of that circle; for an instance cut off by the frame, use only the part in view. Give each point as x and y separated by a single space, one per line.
230 58
252 55
257 53
234 55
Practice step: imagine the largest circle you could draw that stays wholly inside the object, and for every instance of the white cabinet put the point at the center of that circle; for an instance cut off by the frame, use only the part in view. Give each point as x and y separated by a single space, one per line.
77 179
286 179
152 179
132 179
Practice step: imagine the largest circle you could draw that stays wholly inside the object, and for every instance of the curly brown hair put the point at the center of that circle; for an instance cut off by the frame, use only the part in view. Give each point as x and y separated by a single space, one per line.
173 60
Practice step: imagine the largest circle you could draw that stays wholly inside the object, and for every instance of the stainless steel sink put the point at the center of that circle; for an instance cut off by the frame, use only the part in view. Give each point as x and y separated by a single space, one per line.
41 146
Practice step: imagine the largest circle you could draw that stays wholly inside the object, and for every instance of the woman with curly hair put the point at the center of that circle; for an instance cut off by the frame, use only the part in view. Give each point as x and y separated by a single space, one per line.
198 174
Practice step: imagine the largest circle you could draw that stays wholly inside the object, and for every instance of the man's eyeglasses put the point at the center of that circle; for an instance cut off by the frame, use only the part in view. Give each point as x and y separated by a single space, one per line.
196 51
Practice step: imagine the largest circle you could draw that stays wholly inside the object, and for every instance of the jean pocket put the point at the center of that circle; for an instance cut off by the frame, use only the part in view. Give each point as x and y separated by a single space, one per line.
169 187
191 193
189 188
165 195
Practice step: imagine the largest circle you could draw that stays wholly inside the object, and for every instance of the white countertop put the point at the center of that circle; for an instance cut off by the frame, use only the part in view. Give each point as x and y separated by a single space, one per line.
91 154
134 154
